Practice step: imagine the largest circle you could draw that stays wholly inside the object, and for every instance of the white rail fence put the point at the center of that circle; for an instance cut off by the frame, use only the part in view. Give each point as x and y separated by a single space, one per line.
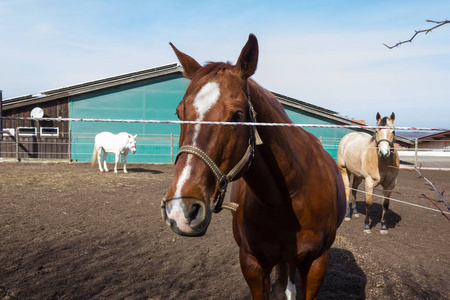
167 145
12 147
428 158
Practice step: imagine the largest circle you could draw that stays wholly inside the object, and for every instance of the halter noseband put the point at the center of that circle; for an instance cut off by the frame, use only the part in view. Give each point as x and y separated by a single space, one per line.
224 179
391 143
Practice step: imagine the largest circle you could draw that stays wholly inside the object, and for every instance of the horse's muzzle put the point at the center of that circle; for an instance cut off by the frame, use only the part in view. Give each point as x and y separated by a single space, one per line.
384 155
187 217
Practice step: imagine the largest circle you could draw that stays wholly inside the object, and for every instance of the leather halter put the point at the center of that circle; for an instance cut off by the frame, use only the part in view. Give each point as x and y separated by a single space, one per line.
385 140
224 179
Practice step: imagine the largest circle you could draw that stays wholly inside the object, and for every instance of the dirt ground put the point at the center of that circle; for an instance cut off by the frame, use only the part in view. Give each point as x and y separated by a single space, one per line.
70 232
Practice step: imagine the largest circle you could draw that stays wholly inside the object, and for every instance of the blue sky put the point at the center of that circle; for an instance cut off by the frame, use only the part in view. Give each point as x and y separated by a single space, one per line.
328 53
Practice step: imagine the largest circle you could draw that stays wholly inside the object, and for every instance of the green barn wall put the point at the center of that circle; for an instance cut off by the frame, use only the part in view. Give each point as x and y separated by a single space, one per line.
155 99
330 136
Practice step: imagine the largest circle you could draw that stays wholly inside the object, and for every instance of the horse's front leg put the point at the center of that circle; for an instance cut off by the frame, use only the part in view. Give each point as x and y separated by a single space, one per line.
387 191
369 185
257 279
125 162
116 161
312 276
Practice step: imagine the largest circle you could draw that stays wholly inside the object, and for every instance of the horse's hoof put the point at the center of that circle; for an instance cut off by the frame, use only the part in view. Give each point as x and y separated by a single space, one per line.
367 231
384 231
356 215
347 219
115 172
125 172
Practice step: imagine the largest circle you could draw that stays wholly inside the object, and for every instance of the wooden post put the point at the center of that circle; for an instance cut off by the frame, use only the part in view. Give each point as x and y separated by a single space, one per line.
17 145
69 147
415 152
171 148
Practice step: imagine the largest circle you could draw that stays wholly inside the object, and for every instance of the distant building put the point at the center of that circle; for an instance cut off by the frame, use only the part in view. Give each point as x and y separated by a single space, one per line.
436 141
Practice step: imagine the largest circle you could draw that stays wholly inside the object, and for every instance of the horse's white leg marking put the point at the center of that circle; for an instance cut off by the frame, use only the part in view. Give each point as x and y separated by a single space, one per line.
117 160
291 292
205 99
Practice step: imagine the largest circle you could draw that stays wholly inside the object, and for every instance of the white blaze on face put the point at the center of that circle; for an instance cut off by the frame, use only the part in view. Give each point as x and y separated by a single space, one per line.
384 146
203 102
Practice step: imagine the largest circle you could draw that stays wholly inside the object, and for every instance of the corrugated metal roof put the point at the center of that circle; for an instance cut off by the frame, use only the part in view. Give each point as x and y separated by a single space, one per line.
434 136
151 71
93 85
298 102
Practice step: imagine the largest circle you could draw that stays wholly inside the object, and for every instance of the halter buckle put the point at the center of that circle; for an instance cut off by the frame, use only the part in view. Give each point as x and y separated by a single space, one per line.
222 183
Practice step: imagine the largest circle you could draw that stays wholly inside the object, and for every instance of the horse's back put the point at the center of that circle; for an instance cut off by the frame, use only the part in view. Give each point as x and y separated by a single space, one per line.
111 142
352 151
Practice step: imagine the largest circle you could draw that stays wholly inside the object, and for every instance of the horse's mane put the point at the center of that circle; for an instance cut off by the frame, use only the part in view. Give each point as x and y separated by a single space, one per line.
212 69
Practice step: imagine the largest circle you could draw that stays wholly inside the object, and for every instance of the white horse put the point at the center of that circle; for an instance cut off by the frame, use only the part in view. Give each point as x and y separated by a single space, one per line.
119 144
374 159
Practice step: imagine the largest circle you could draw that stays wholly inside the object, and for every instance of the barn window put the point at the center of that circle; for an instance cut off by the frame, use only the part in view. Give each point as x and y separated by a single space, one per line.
9 132
27 131
49 131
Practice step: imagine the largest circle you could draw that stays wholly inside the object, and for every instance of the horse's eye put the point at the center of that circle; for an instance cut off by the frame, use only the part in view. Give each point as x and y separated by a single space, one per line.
237 116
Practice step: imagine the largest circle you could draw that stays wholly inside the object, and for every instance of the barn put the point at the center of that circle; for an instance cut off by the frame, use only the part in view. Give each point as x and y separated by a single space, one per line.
151 94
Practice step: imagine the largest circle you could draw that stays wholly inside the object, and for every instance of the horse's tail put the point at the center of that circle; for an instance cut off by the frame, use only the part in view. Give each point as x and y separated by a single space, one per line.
94 156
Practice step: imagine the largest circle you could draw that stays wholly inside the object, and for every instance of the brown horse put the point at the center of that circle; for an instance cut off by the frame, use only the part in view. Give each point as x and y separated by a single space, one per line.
374 159
289 197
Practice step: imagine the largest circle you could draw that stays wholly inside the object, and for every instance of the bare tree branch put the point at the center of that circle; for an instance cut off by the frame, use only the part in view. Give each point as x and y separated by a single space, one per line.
439 24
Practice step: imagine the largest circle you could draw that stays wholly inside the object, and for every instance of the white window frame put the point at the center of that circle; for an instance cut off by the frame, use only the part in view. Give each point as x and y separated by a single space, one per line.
49 134
11 132
28 133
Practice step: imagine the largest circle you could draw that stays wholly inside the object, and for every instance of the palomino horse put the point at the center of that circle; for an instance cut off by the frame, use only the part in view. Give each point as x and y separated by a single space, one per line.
374 159
119 144
289 197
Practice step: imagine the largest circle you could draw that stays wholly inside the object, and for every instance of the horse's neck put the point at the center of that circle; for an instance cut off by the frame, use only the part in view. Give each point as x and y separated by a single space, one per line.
276 160
379 163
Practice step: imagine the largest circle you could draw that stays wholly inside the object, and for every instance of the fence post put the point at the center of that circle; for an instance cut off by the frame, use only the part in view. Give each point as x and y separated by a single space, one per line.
17 145
171 148
415 152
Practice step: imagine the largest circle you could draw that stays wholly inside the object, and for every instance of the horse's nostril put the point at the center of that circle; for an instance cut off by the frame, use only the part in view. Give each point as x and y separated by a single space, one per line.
194 212
195 216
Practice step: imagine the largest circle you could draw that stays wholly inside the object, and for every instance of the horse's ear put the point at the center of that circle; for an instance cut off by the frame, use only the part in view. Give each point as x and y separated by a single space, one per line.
378 116
190 65
248 60
392 117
